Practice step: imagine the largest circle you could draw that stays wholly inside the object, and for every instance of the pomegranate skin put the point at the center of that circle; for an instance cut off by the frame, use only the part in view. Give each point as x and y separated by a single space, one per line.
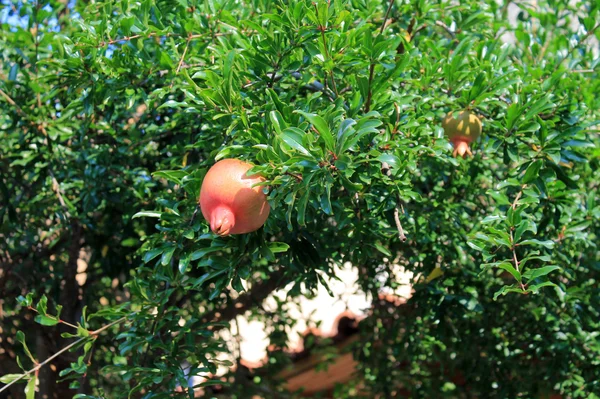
462 131
229 202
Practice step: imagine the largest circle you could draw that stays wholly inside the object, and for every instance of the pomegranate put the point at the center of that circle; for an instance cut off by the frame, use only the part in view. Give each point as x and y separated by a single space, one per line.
462 131
228 200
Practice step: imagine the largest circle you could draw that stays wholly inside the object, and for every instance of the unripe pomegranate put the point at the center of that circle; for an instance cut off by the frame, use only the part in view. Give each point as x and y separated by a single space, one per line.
229 202
462 131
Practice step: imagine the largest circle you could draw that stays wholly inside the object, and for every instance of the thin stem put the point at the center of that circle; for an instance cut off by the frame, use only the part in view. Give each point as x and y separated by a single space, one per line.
370 93
60 321
109 325
387 14
411 25
56 189
60 352
446 28
515 259
514 252
401 234
13 103
514 204
187 44
512 240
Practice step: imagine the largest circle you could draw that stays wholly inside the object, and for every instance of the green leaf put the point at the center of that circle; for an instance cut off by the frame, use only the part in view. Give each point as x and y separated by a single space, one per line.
153 253
277 121
207 276
507 289
509 268
175 176
25 301
8 378
302 203
183 264
326 200
82 332
236 283
321 126
278 247
201 253
537 287
293 137
545 243
491 218
501 291
167 255
382 249
532 274
390 159
42 305
475 246
46 320
130 242
30 388
147 214
532 171
21 339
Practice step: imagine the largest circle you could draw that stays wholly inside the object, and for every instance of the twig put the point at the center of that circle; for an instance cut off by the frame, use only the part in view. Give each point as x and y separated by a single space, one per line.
60 352
13 103
187 44
401 234
60 321
515 259
514 204
56 189
446 28
514 251
387 14
419 29
411 25
295 175
370 93
194 214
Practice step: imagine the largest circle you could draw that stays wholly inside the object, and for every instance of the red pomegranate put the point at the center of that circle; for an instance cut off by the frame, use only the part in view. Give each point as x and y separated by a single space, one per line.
462 131
228 200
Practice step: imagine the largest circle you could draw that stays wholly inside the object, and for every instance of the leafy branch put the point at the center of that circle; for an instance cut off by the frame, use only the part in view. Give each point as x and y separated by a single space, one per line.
92 335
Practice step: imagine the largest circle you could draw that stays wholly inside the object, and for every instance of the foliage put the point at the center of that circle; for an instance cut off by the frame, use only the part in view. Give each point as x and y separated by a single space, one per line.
112 112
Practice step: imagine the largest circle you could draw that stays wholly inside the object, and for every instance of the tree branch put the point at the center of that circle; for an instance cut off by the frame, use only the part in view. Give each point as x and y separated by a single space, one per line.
60 352
257 294
401 234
